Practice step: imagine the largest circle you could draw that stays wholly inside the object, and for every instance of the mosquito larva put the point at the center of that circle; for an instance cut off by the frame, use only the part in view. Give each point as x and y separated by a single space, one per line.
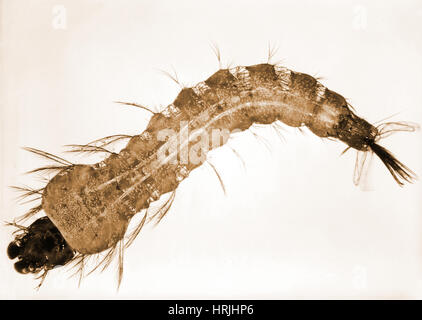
88 207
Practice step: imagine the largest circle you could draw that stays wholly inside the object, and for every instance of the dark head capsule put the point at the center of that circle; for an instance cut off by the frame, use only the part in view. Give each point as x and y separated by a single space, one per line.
39 247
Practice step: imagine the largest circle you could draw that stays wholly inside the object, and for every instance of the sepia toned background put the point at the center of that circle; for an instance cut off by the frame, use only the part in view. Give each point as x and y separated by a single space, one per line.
292 225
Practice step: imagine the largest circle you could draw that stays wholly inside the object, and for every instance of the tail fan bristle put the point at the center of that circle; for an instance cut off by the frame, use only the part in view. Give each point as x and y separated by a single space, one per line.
397 169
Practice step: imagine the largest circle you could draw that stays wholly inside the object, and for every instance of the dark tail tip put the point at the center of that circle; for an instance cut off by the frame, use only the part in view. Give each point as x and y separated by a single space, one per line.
398 170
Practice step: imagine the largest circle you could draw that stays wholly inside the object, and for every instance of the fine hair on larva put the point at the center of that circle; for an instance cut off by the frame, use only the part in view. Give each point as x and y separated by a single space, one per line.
88 207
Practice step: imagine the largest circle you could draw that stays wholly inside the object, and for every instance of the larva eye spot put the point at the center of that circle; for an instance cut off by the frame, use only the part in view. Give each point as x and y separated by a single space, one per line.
22 267
13 250
41 247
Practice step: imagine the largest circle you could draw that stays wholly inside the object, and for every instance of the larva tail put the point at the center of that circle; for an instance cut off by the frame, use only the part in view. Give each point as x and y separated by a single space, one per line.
397 169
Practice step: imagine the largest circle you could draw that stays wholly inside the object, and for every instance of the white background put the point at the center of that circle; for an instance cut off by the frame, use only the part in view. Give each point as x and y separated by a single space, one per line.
292 225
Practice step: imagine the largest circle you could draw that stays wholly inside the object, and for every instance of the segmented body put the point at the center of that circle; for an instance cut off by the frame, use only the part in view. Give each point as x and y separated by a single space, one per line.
92 204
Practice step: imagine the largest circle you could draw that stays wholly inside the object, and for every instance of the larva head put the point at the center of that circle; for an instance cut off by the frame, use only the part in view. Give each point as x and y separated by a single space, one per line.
39 247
